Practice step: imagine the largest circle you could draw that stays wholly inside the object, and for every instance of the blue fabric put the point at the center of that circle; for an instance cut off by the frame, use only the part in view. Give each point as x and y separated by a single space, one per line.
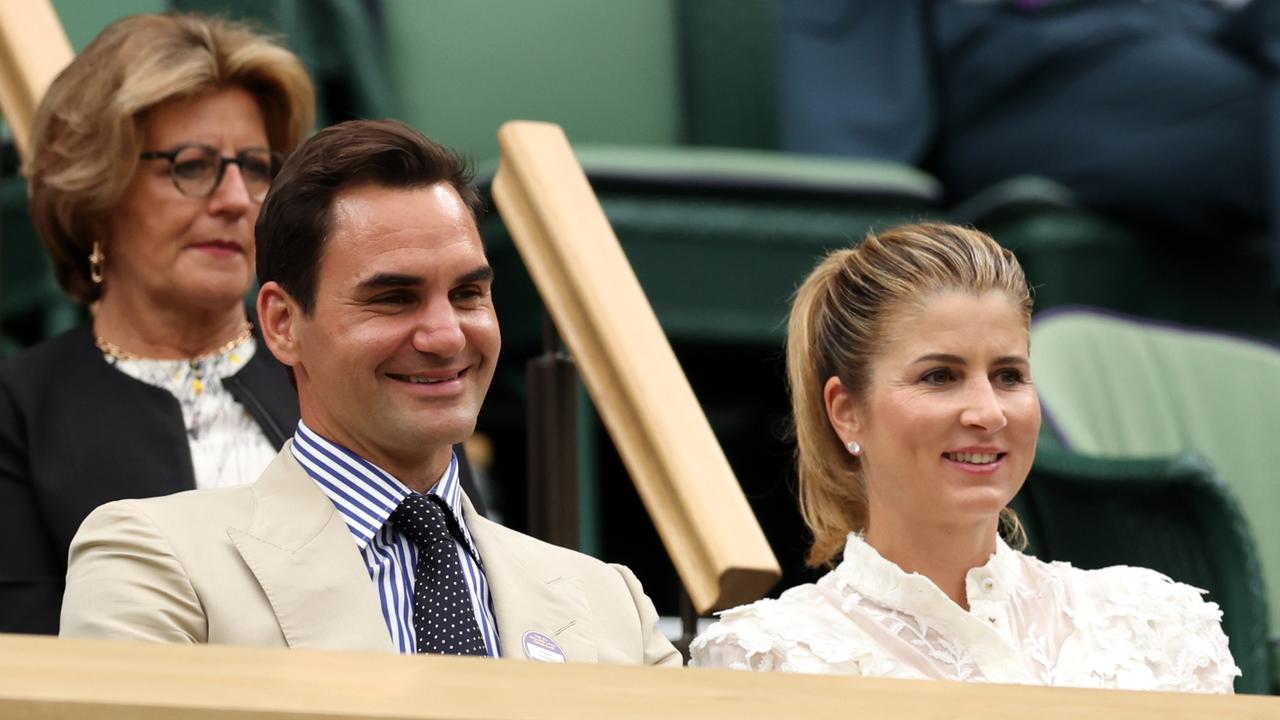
1155 112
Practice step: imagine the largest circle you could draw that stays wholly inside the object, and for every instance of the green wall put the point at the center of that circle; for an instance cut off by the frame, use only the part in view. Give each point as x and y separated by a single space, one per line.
604 69
84 19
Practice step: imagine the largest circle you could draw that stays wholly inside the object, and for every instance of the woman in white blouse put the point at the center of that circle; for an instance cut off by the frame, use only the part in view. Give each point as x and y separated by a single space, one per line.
916 424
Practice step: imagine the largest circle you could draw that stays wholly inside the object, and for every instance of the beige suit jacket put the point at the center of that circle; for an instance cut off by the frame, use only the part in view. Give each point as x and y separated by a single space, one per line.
274 564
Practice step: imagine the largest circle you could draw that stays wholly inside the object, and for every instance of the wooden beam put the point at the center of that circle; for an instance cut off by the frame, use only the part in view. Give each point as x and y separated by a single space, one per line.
51 679
33 50
627 364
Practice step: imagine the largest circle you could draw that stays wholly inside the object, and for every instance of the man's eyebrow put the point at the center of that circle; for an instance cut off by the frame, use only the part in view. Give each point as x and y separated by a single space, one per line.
483 273
950 359
382 281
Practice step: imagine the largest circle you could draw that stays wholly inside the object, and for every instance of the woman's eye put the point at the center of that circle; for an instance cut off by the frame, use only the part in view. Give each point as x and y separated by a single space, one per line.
256 167
939 376
193 168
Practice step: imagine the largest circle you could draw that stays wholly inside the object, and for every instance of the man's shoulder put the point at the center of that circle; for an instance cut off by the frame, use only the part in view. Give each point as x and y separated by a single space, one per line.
541 549
201 514
602 580
194 516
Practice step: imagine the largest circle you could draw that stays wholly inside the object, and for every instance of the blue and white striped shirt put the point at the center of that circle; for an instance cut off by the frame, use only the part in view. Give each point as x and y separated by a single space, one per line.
366 495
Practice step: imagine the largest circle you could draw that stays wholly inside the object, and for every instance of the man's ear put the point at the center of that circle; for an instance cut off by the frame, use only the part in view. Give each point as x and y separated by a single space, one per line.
277 314
843 411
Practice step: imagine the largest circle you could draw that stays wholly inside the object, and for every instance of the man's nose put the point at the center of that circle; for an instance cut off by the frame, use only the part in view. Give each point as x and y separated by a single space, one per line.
439 330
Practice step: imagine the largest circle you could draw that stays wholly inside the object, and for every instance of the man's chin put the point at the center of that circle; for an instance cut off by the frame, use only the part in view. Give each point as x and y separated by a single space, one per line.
414 437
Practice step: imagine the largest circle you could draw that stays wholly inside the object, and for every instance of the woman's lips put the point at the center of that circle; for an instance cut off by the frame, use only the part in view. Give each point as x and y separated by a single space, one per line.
219 247
975 464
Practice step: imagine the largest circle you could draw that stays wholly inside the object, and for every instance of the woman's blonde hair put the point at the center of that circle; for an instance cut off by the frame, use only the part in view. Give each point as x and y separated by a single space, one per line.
88 128
839 321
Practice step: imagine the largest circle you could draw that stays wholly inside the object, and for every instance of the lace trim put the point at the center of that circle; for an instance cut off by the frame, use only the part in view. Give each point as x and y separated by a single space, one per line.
771 635
1146 632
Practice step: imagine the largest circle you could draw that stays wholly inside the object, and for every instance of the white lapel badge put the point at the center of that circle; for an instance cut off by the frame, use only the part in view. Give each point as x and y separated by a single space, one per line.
542 648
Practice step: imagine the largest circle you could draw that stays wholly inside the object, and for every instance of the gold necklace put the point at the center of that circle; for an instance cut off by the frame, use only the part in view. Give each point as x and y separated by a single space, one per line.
110 348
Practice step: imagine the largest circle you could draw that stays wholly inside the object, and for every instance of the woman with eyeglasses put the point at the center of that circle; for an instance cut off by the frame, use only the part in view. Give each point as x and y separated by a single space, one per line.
151 155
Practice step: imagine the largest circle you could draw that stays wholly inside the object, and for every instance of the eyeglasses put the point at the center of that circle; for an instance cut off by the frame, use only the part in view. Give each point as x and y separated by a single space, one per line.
197 169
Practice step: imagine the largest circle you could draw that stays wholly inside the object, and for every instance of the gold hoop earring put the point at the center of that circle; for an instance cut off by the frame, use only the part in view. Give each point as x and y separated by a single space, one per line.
96 259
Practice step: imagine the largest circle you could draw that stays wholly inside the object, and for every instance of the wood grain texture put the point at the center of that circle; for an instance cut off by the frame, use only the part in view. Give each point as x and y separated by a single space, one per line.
33 50
51 679
628 366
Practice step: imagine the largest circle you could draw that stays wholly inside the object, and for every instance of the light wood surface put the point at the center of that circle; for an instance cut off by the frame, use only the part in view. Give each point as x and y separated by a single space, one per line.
51 679
33 50
642 394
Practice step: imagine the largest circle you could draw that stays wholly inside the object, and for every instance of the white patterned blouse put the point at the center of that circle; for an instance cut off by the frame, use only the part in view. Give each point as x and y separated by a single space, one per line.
1029 622
228 447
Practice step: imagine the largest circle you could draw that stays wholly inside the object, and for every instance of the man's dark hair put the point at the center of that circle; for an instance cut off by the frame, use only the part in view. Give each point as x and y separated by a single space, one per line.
295 217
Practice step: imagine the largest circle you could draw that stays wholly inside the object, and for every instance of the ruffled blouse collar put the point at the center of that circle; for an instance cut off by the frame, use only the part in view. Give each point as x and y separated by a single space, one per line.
884 582
983 628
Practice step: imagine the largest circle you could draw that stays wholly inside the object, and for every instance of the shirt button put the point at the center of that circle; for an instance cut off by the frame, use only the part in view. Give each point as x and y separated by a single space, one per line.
988 584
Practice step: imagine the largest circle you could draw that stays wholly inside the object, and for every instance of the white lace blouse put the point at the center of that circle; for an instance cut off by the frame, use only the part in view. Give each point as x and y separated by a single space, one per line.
228 447
1029 622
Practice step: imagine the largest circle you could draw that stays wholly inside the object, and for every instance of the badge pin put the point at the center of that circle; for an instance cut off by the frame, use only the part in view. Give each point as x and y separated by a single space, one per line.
542 648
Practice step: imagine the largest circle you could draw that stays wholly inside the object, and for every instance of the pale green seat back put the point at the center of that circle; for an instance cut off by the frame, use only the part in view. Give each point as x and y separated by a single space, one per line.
605 70
1117 387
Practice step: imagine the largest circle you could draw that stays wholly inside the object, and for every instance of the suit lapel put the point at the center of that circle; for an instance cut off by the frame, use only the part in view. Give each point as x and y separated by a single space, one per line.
303 555
530 594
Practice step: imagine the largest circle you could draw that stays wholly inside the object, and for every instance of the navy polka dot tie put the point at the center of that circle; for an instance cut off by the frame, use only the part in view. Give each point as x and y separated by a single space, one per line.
442 616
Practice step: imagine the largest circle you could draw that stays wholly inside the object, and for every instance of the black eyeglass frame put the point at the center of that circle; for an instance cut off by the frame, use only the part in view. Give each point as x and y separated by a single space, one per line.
277 159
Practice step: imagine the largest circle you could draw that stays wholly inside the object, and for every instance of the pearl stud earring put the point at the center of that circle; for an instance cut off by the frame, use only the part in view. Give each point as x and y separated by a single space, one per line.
854 448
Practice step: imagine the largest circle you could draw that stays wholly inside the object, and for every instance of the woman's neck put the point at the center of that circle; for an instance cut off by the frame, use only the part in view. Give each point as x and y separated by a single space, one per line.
149 330
943 553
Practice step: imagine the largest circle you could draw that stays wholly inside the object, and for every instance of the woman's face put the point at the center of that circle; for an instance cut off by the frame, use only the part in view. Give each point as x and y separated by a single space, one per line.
949 422
191 254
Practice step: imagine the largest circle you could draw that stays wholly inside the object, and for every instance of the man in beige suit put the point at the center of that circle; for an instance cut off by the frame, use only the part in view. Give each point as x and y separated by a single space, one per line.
375 291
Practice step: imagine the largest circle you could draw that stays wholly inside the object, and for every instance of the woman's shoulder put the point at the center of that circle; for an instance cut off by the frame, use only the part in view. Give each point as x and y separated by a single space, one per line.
1119 586
803 630
51 354
49 358
1123 593
1142 629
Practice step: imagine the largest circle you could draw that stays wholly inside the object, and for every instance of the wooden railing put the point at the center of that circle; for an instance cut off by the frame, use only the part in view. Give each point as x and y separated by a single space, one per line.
51 679
642 394
33 50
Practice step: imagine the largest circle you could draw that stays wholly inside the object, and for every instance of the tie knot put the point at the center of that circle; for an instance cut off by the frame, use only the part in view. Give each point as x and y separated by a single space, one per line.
423 519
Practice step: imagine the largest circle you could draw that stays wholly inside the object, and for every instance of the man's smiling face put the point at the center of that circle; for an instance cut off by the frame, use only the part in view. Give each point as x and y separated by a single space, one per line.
396 357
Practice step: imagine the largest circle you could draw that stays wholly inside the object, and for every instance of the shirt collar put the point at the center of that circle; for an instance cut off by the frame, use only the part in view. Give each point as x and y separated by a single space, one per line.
365 494
881 581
